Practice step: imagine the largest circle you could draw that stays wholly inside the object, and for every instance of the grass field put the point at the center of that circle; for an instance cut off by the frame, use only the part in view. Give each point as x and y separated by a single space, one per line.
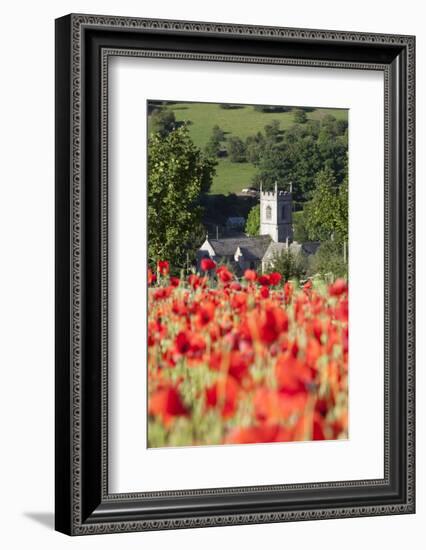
241 122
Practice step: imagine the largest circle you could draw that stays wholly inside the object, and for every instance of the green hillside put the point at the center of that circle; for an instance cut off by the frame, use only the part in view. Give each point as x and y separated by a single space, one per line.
240 122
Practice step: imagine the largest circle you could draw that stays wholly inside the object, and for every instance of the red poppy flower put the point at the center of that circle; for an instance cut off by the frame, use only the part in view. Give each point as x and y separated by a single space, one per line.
190 344
239 301
275 406
179 307
174 281
205 314
254 434
274 278
215 360
167 404
235 286
255 351
273 322
264 280
151 277
207 264
163 267
338 287
224 275
288 292
292 375
317 329
223 394
238 366
162 293
250 275
264 292
194 280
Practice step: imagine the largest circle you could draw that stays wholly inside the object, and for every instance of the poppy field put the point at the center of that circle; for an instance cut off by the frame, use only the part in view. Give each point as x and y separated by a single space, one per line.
250 360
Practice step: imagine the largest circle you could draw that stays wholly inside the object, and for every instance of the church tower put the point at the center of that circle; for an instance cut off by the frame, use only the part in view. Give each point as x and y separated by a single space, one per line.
276 214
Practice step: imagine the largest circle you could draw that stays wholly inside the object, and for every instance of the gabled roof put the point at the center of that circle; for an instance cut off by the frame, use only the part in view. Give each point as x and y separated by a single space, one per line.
252 248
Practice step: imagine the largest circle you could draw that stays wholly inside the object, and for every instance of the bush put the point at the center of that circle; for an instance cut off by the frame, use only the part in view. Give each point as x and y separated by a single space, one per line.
299 116
253 221
217 133
300 233
289 264
236 150
329 261
272 130
162 122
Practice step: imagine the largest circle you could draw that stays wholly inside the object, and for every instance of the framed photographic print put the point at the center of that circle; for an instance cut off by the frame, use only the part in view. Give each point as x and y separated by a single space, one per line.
234 274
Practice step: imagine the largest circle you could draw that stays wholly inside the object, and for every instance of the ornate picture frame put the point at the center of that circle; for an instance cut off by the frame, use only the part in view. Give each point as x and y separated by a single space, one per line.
84 44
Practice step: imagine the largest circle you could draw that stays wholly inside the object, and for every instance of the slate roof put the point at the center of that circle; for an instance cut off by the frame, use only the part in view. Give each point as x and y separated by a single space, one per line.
310 247
252 248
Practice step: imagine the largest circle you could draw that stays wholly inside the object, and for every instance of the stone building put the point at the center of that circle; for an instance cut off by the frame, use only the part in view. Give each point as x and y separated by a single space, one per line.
276 210
276 236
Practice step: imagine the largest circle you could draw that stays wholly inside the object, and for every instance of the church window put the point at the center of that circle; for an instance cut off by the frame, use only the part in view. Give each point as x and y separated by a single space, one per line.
268 212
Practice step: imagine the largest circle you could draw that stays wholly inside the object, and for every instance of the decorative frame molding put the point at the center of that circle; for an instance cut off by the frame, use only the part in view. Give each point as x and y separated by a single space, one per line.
84 43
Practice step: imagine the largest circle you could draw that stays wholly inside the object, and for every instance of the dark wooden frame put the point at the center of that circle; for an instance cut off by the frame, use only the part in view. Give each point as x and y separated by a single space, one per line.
83 46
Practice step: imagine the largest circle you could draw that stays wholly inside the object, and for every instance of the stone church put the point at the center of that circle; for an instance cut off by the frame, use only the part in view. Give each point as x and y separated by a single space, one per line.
275 236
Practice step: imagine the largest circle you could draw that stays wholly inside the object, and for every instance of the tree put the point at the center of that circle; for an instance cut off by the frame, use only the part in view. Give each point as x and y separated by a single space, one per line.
178 173
300 233
299 116
328 261
213 146
253 221
342 213
254 148
272 130
162 122
271 108
302 151
291 265
236 149
326 214
217 133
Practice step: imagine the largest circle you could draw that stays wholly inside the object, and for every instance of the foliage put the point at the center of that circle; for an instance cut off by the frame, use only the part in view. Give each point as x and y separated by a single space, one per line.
217 133
342 213
271 108
301 152
162 122
213 146
326 214
253 221
299 116
212 149
279 372
290 265
246 121
178 174
236 150
300 233
272 130
230 106
329 261
254 147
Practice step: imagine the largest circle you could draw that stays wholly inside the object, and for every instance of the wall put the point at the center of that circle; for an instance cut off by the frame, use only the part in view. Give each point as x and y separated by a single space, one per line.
26 305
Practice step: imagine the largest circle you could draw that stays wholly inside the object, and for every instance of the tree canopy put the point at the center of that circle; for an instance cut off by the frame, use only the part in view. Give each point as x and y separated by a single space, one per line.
178 173
162 121
326 214
297 154
253 221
